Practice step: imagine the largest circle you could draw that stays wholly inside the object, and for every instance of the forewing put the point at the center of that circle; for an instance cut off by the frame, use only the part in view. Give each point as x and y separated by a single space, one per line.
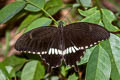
80 36
43 41
85 35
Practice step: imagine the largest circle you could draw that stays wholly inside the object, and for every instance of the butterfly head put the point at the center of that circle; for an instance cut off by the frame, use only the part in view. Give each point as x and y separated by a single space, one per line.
60 24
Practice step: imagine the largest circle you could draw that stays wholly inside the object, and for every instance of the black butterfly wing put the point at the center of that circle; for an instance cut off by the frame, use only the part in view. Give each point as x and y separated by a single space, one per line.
84 34
71 58
33 40
43 41
80 36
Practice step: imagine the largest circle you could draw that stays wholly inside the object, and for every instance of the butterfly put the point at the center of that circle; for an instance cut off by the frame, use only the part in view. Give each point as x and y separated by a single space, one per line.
63 43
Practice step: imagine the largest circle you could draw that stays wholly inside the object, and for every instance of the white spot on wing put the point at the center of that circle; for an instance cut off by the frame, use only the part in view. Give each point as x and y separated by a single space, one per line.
33 52
98 41
86 46
29 52
59 51
91 45
25 51
67 51
73 49
76 48
53 51
81 47
56 51
50 51
70 49
43 52
38 52
95 43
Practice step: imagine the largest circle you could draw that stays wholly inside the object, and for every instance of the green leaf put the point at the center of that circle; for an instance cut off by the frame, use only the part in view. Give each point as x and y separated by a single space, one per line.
73 77
54 3
34 69
108 17
88 12
2 76
53 10
6 72
7 42
35 4
54 78
76 5
28 20
91 15
64 70
15 62
99 66
32 8
3 72
10 11
18 74
86 56
39 23
53 6
11 71
86 3
94 18
113 48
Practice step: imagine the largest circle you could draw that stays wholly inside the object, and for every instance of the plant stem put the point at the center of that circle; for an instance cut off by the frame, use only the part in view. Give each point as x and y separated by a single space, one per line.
49 15
97 3
43 11
101 12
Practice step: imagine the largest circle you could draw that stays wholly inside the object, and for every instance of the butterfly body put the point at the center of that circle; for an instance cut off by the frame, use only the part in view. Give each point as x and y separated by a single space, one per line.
68 43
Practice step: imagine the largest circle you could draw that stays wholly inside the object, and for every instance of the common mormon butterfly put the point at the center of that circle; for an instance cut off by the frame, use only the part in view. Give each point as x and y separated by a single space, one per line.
63 43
